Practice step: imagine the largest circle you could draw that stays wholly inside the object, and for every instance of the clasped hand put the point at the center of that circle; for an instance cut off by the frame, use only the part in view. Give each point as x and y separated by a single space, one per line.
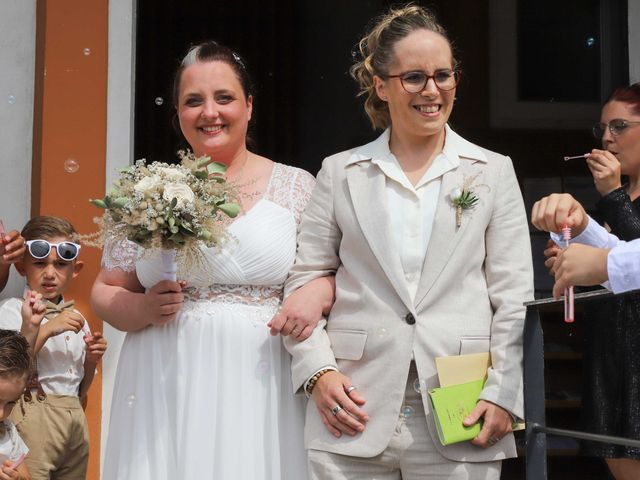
8 473
339 402
96 347
577 264
301 311
163 301
67 321
497 422
605 168
12 247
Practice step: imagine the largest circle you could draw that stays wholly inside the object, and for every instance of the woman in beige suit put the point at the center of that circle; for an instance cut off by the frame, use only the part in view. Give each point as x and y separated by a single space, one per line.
428 239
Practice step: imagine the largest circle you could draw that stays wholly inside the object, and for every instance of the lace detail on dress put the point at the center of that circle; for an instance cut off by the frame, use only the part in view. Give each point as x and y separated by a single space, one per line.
120 254
235 294
291 188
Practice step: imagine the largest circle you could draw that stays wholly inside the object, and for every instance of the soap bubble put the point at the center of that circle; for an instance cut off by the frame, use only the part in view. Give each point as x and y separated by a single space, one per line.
131 400
86 52
420 386
407 411
159 101
71 165
11 99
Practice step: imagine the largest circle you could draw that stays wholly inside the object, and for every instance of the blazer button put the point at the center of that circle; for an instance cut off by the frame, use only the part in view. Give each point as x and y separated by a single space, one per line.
409 318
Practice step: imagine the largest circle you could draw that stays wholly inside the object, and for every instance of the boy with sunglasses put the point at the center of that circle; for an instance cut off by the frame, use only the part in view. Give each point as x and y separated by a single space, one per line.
50 417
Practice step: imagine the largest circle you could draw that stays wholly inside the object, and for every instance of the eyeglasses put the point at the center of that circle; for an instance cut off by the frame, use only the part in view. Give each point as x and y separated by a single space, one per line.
616 126
40 249
416 81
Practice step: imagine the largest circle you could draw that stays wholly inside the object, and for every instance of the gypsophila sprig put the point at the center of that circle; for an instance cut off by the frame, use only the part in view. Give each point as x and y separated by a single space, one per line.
165 206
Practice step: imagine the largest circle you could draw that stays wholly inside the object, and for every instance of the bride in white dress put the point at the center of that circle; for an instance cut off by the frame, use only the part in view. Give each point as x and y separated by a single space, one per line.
202 388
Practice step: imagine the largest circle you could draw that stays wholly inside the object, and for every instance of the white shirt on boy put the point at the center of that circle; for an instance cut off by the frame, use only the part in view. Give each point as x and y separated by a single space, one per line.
61 359
11 445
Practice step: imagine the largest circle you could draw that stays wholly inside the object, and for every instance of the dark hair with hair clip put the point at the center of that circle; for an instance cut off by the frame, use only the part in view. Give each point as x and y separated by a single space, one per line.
210 51
629 95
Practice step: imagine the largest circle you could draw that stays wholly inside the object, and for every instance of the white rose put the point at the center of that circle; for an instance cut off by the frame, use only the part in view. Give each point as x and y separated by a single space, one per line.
179 191
455 194
146 185
171 174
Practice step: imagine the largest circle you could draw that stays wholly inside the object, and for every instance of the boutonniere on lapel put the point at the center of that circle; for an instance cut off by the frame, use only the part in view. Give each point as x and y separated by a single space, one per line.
465 196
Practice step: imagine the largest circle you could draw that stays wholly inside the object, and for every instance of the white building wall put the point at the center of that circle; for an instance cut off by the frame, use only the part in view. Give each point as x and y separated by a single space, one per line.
17 64
120 110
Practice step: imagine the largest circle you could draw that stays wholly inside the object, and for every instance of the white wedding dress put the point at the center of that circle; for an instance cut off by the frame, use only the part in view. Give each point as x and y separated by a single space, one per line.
209 395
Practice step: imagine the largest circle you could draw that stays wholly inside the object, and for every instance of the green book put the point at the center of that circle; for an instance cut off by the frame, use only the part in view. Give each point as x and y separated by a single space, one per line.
451 405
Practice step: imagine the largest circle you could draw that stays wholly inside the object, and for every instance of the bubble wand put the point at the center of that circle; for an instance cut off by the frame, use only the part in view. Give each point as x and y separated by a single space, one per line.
568 292
19 461
576 156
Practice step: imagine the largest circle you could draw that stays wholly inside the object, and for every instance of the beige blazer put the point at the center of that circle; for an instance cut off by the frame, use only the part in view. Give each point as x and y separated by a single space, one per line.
474 281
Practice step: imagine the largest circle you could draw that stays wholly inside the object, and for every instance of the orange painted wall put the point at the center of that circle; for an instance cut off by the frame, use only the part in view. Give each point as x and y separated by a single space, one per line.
70 116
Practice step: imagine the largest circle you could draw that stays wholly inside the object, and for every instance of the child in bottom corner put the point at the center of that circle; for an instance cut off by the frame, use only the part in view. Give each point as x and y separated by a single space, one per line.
50 417
15 369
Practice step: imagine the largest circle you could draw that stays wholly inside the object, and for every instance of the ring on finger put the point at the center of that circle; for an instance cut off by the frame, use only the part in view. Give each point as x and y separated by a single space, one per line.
295 330
493 440
350 388
335 410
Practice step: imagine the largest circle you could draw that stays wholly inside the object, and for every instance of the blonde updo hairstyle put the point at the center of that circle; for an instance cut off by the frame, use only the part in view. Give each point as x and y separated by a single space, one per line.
375 53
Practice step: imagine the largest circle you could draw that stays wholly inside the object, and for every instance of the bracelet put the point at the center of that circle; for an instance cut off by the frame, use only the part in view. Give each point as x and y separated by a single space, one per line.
312 381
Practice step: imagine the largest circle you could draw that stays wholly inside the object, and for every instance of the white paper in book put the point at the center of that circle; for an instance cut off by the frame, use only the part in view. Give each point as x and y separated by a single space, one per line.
456 369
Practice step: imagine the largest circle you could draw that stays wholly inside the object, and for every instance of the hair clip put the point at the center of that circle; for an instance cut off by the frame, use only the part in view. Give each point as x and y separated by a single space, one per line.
238 60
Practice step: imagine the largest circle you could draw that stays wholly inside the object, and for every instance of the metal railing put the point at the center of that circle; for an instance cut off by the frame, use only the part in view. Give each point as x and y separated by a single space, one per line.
534 391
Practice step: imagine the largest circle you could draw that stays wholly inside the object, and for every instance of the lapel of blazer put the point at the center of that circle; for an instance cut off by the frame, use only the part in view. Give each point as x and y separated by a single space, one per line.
367 188
445 235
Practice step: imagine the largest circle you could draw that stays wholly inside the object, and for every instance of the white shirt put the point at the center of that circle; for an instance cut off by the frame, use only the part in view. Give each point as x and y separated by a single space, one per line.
11 445
412 209
61 359
623 261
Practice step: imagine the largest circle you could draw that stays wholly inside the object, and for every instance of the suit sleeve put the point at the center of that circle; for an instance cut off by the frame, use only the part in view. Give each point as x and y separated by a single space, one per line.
509 275
623 267
318 248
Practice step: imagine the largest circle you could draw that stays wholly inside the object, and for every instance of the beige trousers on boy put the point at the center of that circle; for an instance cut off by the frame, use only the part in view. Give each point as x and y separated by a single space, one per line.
56 432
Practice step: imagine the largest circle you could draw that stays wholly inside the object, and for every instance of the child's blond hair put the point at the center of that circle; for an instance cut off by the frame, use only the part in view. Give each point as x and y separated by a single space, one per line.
46 227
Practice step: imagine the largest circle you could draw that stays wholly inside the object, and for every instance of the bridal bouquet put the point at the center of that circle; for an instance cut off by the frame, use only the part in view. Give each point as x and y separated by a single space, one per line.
172 208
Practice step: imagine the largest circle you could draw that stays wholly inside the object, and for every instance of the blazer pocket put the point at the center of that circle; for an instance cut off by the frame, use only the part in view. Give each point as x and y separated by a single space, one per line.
474 344
347 344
